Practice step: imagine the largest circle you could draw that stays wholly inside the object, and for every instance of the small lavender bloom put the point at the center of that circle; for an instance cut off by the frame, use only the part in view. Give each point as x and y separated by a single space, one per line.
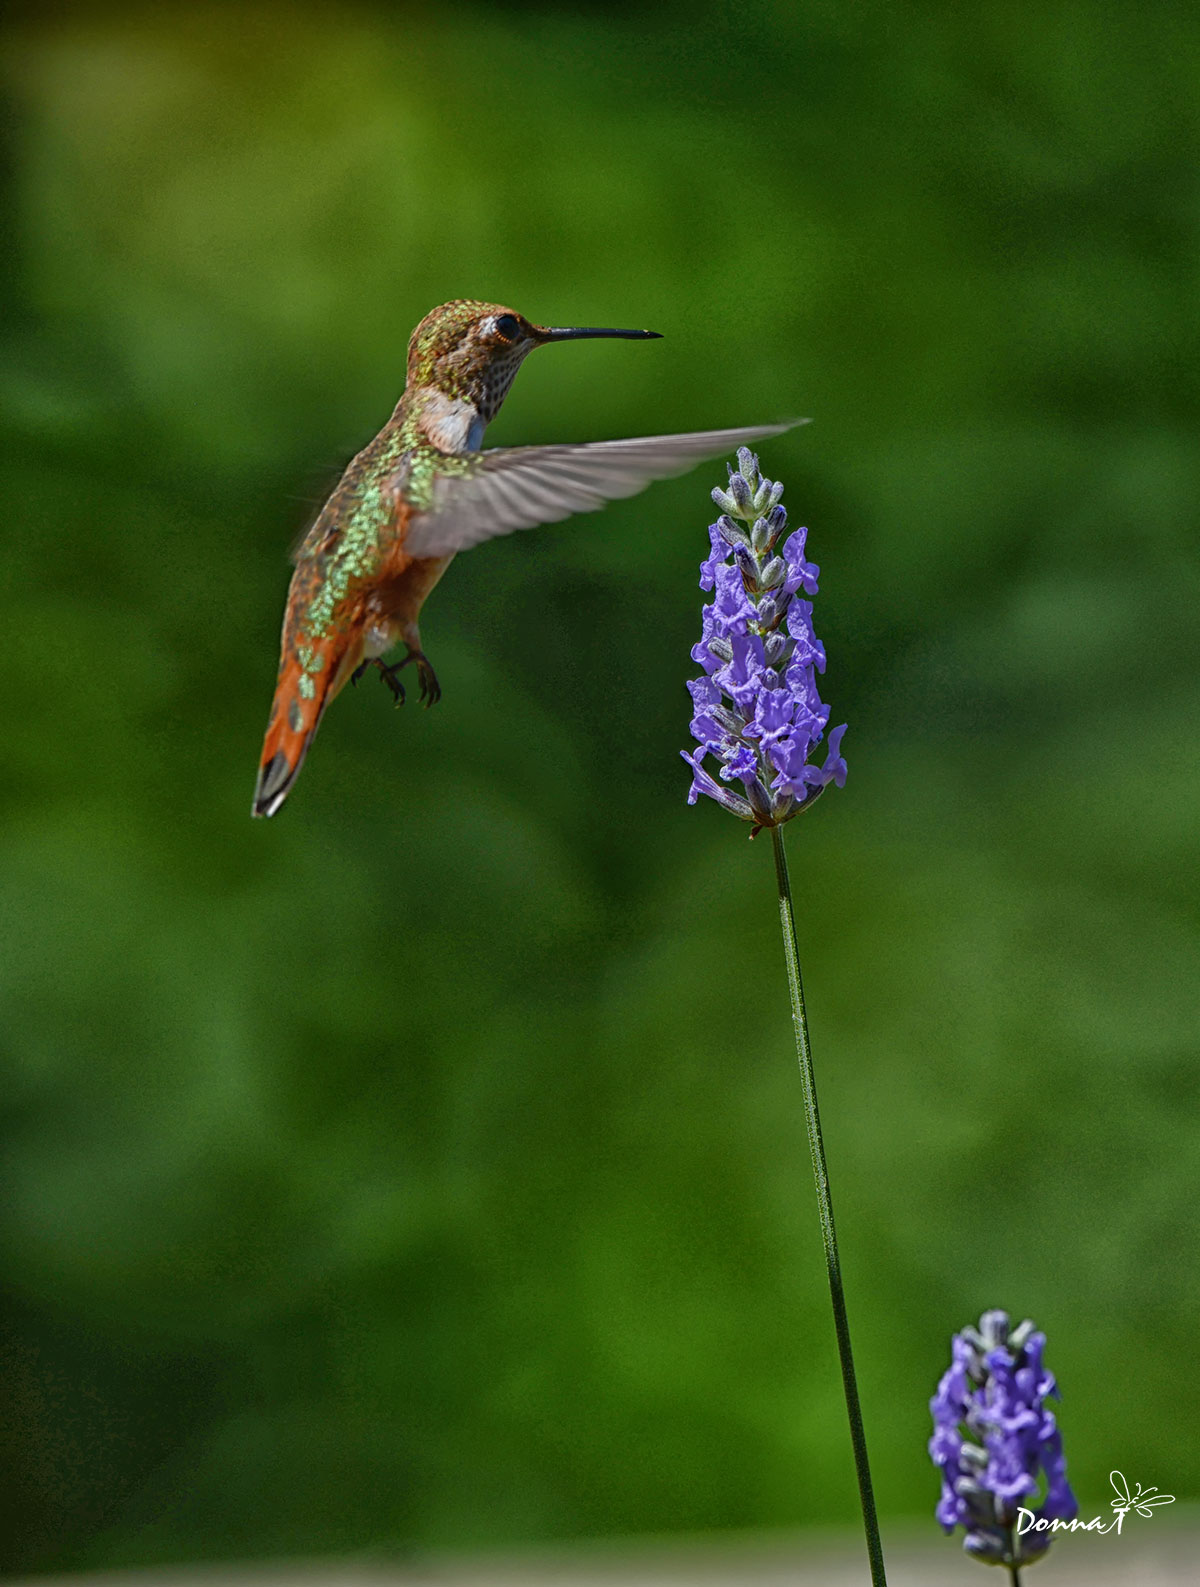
757 710
995 1392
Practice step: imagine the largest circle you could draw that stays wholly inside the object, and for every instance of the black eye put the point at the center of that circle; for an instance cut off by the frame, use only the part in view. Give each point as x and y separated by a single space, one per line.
508 326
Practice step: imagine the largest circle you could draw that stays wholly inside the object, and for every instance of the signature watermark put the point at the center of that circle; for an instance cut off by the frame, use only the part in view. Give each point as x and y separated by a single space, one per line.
1142 1502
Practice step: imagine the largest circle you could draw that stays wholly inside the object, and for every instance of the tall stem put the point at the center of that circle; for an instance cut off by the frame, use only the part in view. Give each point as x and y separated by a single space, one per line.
825 1207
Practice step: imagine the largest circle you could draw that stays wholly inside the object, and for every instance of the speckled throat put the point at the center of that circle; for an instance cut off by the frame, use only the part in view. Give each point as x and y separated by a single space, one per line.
453 414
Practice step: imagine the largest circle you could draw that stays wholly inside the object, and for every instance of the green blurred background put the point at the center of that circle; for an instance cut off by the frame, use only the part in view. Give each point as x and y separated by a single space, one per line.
427 1166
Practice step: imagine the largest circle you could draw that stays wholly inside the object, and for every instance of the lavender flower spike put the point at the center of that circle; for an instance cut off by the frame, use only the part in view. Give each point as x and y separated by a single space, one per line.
757 710
995 1393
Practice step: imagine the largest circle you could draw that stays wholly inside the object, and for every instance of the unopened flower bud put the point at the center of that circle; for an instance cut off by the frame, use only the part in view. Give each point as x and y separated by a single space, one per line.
740 491
730 531
760 536
748 565
774 573
778 648
987 1546
760 802
769 612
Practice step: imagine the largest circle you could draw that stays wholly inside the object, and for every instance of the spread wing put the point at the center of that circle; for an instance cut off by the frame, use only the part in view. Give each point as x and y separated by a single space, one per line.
516 487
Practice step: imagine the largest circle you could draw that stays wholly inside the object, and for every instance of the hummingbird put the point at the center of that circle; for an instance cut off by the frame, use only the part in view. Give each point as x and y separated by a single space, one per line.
421 492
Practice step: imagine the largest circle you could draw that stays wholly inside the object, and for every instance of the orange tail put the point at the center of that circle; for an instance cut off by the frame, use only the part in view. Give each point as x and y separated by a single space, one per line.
301 695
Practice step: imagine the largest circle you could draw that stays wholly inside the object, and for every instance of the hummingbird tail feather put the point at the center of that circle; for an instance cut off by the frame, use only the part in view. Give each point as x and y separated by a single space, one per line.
301 696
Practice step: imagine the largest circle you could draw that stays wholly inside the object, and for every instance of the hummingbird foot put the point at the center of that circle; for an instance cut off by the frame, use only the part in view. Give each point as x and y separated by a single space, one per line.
388 674
431 689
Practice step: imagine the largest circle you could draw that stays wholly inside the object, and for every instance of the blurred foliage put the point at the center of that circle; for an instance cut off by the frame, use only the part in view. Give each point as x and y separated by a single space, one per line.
427 1165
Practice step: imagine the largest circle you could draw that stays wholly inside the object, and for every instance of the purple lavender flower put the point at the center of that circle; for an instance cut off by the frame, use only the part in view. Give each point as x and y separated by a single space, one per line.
994 1393
756 706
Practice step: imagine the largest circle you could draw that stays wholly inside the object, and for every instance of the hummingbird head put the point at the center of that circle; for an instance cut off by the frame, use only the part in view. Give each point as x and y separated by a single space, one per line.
464 356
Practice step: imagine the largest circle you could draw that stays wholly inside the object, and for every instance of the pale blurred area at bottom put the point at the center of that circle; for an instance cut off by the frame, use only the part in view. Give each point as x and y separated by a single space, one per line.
1153 1553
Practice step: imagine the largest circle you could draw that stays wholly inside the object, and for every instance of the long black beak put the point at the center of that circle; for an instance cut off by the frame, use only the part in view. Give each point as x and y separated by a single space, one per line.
575 332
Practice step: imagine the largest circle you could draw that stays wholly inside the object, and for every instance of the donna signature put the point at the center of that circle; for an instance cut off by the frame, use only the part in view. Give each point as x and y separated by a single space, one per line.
1142 1501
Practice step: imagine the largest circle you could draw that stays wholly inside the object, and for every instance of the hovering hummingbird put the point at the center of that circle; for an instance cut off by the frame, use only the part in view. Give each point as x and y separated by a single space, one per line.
422 491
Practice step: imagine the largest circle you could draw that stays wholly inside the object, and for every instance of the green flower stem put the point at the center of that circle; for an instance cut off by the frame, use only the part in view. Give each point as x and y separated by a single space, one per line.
1014 1568
825 1206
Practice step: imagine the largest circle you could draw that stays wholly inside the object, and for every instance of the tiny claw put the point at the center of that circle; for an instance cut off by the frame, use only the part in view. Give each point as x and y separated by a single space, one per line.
388 674
431 689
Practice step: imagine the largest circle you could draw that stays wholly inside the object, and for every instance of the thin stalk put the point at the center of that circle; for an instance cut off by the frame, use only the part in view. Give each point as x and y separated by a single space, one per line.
825 1207
1014 1568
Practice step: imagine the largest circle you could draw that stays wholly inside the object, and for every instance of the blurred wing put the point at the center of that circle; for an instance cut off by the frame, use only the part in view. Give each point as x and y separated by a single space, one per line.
516 487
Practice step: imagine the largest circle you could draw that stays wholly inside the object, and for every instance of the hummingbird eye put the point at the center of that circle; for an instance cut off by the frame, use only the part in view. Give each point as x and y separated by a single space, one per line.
508 326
